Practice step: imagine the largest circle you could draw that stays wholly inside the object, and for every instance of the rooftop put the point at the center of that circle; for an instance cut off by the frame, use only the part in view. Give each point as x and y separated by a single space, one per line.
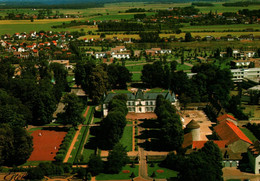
227 130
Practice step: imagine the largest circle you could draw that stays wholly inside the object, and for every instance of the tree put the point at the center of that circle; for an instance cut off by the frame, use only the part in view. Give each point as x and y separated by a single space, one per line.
73 110
188 37
98 84
95 165
16 145
171 132
12 111
116 159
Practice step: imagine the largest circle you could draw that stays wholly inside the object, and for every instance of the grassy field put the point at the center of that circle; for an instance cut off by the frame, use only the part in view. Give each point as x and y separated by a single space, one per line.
249 134
254 109
135 68
127 139
136 77
167 173
120 176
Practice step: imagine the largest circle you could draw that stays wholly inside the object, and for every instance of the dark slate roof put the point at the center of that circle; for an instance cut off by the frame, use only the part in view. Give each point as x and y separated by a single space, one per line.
143 96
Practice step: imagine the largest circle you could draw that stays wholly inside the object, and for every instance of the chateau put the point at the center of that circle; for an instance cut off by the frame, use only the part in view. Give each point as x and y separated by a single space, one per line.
140 101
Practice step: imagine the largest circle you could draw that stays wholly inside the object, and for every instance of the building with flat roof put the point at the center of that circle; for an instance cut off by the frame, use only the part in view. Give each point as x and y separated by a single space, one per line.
240 74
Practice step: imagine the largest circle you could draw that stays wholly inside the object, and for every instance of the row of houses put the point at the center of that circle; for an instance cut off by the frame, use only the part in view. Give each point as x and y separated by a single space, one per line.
120 52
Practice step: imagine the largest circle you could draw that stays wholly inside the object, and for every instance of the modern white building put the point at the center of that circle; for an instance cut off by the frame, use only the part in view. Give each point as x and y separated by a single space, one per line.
121 55
140 102
240 74
254 157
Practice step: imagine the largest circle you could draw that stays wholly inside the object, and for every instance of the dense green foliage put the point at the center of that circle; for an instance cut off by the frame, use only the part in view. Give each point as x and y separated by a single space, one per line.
118 76
171 132
73 110
117 158
255 129
15 145
112 126
202 165
95 165
92 78
47 169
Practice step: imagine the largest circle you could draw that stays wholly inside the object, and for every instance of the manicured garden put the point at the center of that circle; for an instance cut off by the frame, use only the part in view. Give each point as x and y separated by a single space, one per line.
160 172
123 175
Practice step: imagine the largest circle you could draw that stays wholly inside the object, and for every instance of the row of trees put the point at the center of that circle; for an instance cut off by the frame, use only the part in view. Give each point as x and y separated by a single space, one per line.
96 80
112 126
171 132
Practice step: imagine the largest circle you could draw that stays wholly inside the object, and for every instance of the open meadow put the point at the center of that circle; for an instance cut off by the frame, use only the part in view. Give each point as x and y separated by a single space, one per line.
114 11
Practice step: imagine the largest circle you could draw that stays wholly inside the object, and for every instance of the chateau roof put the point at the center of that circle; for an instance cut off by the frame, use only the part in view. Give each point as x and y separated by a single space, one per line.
140 95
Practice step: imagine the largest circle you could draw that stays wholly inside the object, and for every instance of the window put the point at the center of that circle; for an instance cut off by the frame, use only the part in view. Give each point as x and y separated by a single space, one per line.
151 103
146 103
140 109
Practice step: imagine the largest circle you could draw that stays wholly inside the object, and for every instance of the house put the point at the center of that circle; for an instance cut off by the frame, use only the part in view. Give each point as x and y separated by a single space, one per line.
254 157
250 73
140 102
100 54
118 49
121 55
237 141
228 117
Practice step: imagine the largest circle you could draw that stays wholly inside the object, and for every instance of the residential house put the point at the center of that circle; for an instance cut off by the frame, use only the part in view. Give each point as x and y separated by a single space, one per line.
121 55
100 55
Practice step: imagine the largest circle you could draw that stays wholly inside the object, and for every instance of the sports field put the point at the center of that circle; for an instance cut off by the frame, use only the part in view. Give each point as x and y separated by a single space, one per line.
46 144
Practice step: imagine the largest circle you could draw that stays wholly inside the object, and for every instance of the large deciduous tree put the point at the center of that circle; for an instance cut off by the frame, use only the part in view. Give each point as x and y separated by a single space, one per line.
16 145
117 158
73 110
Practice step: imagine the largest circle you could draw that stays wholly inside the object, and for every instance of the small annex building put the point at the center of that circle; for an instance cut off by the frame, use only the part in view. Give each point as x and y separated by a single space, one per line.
237 141
254 157
140 101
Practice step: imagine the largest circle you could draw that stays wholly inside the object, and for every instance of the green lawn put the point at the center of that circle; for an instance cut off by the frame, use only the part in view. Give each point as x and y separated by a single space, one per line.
254 109
249 134
157 90
120 176
166 174
183 67
35 129
136 77
87 152
96 120
135 68
127 139
33 163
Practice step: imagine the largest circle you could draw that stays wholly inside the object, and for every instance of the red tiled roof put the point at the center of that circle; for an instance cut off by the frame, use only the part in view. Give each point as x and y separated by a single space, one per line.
200 144
227 130
224 117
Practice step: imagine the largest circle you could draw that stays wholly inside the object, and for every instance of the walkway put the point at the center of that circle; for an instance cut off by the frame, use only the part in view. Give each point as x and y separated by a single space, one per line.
75 138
